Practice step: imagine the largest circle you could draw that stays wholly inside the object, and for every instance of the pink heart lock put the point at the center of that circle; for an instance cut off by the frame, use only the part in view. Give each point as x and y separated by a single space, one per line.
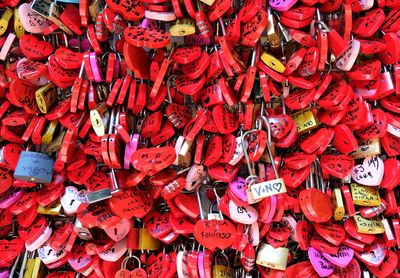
254 234
130 148
10 197
31 20
78 259
321 265
242 214
195 177
115 252
4 273
281 5
48 255
346 61
71 199
40 240
342 258
237 187
119 230
370 173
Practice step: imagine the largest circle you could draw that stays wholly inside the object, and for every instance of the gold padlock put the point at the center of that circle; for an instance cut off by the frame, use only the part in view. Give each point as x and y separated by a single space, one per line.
275 258
365 195
18 29
55 145
369 226
221 269
48 135
182 27
146 241
5 18
305 120
185 154
98 119
45 97
272 33
95 8
272 62
367 147
338 204
52 209
54 16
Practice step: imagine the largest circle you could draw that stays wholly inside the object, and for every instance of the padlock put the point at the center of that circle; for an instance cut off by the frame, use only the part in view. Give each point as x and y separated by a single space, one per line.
220 269
34 167
146 241
271 257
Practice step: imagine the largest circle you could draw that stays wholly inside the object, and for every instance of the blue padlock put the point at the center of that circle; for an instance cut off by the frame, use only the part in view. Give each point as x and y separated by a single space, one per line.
34 167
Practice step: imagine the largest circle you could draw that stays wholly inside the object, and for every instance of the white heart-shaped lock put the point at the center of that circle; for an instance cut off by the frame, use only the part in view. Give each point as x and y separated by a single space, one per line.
114 253
31 20
71 200
181 264
40 240
48 255
254 234
87 271
195 177
238 154
119 230
370 172
242 214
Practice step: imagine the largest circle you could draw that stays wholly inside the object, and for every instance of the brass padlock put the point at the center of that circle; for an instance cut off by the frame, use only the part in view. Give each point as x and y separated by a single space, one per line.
221 267
146 241
369 226
275 258
48 135
365 195
185 154
338 204
305 120
182 27
367 147
52 209
45 97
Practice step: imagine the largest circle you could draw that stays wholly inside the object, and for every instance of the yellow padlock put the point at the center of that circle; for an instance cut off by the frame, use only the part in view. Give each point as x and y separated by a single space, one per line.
45 97
367 147
305 120
275 258
147 242
185 154
48 135
221 267
370 226
52 209
272 62
18 29
5 18
365 195
97 118
338 204
55 144
182 27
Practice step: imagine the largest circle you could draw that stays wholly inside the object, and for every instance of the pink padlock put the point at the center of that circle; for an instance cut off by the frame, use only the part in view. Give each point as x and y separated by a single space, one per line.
282 5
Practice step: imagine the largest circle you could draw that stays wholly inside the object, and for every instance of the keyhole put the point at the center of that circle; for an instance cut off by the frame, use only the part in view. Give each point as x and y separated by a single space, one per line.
115 231
72 201
79 260
48 254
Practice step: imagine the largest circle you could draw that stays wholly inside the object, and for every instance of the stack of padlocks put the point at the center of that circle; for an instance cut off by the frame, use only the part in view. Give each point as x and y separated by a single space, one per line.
207 138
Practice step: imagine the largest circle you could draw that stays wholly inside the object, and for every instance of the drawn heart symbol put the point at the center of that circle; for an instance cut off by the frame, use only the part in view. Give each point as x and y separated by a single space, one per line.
370 172
157 224
293 178
10 249
131 203
321 265
31 20
342 258
339 166
96 214
78 259
377 129
374 254
387 267
153 160
33 48
390 176
130 10
214 234
68 59
71 200
242 214
28 70
48 255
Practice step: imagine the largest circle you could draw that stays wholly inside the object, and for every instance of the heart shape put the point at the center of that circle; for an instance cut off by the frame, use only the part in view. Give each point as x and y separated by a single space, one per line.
223 172
339 166
9 197
153 160
115 252
321 265
299 160
56 72
387 267
186 54
390 176
293 178
225 120
157 224
48 255
131 203
78 259
67 58
31 20
142 37
97 181
158 265
237 187
179 115
71 199
373 254
242 214
96 214
119 230
351 270
342 258
130 10
334 233
280 125
136 273
391 144
10 249
24 94
188 204
370 172
377 129
214 234
184 225
356 111
47 195
31 233
33 48
188 86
